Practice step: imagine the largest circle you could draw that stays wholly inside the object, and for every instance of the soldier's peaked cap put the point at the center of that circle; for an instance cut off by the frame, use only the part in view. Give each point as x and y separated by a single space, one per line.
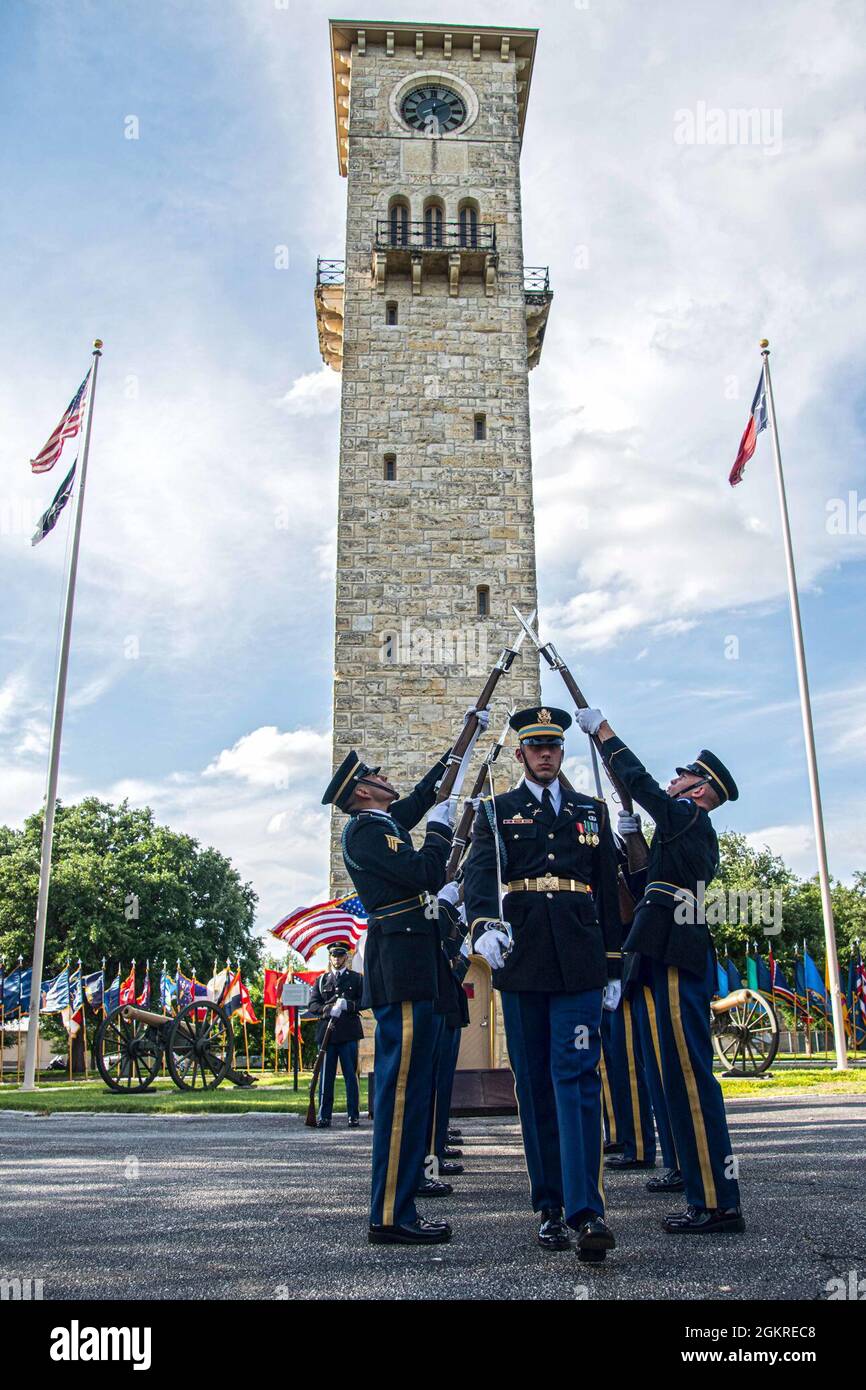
543 722
338 948
706 764
341 787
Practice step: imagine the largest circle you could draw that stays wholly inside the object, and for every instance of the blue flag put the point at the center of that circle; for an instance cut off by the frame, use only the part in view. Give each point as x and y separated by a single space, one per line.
112 994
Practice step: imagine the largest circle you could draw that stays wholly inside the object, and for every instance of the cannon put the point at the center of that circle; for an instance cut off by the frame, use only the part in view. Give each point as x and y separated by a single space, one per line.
745 1032
196 1043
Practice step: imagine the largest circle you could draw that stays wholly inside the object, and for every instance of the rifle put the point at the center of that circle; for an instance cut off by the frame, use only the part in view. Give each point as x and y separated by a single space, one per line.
310 1121
467 818
635 844
468 733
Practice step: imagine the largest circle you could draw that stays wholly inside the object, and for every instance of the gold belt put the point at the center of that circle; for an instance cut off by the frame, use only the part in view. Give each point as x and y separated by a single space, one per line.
549 884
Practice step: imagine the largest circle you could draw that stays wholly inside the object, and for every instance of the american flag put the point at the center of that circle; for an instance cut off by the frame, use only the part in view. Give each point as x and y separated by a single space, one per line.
68 428
308 928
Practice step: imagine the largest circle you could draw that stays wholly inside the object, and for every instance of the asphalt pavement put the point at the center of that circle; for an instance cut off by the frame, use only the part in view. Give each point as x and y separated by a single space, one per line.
257 1206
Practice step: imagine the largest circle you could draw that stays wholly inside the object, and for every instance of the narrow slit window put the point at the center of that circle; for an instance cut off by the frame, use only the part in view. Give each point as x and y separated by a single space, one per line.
480 426
390 473
391 312
482 600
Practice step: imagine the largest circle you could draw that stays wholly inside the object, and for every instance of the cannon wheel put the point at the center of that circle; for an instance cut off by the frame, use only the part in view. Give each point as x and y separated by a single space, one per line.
128 1053
200 1046
746 1036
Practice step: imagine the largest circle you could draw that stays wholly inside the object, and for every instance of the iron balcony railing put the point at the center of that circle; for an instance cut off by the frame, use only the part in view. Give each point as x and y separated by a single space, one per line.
536 279
330 272
425 235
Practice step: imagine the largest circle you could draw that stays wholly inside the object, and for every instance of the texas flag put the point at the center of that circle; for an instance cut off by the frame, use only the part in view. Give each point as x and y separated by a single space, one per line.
757 422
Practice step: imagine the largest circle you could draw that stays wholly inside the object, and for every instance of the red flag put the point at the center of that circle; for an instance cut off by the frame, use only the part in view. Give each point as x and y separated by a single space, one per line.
274 981
247 1012
127 989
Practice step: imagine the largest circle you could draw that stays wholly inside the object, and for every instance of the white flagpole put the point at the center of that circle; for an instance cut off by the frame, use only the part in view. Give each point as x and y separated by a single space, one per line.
32 1052
808 734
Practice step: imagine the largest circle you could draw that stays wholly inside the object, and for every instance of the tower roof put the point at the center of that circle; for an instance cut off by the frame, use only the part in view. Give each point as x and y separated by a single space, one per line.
426 40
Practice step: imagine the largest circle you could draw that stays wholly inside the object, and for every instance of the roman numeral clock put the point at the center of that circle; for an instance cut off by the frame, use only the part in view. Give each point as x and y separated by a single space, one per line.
434 321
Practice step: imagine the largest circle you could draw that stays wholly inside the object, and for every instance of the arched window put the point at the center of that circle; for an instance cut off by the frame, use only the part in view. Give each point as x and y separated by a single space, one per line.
480 426
433 224
391 312
390 471
399 222
482 601
468 216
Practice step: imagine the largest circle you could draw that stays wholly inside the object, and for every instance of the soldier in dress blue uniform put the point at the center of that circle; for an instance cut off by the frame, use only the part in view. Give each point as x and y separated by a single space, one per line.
404 973
554 946
337 995
674 957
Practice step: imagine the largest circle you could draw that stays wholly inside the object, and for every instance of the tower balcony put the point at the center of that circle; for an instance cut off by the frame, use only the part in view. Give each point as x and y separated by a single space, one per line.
538 296
330 282
331 276
452 249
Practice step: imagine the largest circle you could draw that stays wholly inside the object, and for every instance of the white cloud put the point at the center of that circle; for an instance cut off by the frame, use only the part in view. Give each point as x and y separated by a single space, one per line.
314 393
268 758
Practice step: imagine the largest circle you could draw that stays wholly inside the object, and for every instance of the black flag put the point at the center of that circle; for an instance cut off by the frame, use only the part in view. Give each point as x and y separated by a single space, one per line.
48 520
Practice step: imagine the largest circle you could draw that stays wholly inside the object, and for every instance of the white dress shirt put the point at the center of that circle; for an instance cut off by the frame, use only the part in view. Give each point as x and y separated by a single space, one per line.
537 790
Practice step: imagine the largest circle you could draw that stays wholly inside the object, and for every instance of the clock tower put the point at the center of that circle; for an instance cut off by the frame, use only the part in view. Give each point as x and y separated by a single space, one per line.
434 321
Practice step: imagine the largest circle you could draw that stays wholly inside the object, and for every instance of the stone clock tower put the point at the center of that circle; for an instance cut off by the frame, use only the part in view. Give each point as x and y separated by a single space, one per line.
435 322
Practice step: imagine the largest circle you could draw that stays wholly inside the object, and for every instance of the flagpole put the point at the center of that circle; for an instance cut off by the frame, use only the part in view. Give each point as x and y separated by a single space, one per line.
808 732
32 1051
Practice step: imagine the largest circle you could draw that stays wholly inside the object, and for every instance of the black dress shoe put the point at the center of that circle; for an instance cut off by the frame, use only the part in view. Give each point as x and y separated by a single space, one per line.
450 1152
619 1161
553 1232
354 1122
704 1221
419 1232
669 1181
594 1239
323 1124
432 1187
455 1134
449 1169
611 1148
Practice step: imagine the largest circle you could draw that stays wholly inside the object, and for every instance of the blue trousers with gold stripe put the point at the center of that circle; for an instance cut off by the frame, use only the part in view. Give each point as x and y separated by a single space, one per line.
625 1092
444 1086
694 1096
644 1015
404 1077
554 1044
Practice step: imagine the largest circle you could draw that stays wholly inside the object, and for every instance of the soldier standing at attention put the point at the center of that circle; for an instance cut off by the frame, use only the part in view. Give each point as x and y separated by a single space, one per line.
554 946
337 996
405 971
674 956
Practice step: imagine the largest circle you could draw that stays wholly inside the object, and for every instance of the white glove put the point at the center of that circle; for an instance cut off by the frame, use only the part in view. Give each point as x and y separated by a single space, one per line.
449 894
483 716
627 825
612 995
442 814
492 945
338 1007
589 720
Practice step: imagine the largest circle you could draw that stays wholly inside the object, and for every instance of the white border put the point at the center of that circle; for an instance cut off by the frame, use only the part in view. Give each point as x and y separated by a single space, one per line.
447 79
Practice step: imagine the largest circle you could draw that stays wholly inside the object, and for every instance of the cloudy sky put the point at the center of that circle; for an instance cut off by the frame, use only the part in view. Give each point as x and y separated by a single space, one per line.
200 679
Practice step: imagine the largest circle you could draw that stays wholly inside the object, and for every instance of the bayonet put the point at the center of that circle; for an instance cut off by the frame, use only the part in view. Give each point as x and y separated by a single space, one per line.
635 844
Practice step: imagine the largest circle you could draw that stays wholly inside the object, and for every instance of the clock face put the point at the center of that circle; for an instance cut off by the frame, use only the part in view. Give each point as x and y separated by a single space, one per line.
433 109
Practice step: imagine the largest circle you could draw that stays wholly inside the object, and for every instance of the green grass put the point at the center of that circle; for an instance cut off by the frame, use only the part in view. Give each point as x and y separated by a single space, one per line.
817 1080
271 1093
274 1093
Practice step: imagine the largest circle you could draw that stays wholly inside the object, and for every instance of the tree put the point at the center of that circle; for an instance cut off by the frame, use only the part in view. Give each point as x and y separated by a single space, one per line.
124 887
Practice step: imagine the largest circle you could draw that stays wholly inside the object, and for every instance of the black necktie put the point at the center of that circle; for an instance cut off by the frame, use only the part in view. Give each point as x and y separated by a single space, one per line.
548 815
